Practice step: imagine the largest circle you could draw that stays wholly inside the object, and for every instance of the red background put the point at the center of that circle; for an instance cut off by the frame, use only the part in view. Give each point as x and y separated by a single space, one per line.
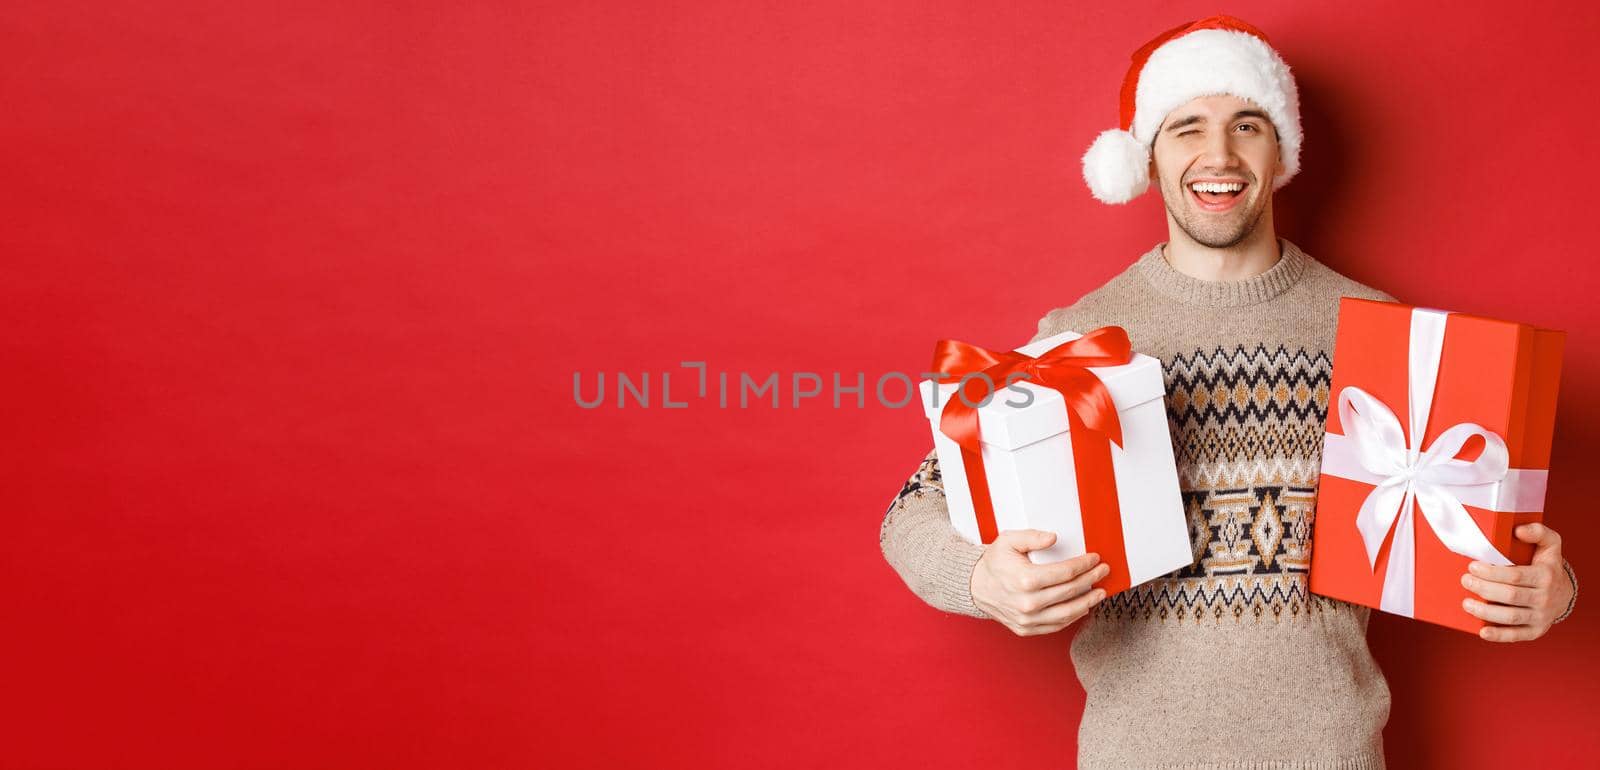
292 296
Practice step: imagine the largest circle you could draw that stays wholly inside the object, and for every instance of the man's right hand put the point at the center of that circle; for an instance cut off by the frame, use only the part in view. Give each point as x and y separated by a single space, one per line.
1032 599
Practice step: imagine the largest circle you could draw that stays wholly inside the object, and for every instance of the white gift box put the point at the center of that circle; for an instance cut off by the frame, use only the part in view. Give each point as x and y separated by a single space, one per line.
1027 458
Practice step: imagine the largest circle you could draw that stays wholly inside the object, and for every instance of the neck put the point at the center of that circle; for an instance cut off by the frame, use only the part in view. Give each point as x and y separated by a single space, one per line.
1245 259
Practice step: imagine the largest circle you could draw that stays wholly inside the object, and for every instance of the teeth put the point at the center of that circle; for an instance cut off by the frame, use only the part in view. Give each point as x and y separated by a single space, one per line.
1217 187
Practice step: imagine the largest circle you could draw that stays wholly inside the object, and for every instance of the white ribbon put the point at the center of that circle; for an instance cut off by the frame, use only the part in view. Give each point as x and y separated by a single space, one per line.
1374 450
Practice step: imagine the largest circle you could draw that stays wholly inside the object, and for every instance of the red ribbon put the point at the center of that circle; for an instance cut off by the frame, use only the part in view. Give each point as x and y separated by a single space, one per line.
1091 419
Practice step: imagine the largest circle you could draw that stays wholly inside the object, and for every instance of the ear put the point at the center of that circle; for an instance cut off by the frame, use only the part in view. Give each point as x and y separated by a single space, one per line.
1278 169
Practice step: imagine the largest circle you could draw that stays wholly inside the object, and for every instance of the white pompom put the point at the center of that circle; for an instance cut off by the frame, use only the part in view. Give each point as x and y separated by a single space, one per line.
1117 167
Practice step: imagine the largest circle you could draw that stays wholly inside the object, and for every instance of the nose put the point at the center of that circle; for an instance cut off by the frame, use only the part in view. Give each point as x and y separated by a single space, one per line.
1218 151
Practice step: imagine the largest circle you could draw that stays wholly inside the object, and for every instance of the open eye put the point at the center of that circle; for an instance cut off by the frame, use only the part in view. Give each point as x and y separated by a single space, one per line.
1250 126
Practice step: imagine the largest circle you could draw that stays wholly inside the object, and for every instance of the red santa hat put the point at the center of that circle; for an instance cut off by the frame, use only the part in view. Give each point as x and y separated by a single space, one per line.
1215 55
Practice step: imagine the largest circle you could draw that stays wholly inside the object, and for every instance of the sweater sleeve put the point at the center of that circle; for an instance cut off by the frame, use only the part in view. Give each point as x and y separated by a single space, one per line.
917 539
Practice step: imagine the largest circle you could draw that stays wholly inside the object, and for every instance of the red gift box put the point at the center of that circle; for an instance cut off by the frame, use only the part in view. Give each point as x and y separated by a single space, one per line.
1397 522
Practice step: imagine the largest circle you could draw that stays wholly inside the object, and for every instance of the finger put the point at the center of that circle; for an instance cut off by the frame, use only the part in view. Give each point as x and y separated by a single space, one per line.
1498 613
1072 588
1040 576
1504 593
1508 633
1068 611
1532 577
1027 625
1025 540
1537 534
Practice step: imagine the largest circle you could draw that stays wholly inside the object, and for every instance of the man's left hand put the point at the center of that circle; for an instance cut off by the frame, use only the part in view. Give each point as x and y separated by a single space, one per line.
1522 601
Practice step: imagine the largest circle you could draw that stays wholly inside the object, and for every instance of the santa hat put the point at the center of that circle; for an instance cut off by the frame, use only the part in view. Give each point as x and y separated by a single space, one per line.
1216 55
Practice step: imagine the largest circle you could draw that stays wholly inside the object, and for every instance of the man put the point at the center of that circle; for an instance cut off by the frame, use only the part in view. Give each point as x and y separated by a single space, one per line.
1229 661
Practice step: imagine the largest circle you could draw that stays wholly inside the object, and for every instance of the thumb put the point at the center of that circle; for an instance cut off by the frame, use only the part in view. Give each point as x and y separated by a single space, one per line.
1025 540
1537 534
1547 543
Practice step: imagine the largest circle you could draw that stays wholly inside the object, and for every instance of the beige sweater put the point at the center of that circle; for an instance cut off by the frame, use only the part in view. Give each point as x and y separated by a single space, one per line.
1230 662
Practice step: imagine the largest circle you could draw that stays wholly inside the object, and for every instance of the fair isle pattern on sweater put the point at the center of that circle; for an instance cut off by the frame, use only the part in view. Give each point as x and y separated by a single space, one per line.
1246 429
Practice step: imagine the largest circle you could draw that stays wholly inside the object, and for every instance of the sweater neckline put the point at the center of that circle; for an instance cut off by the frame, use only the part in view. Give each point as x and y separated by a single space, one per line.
1290 267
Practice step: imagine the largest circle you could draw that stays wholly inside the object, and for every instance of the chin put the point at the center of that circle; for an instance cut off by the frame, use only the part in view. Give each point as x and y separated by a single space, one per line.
1219 232
1217 235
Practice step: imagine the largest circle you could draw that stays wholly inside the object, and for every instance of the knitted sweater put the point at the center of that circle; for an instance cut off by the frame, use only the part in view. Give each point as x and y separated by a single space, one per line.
1229 662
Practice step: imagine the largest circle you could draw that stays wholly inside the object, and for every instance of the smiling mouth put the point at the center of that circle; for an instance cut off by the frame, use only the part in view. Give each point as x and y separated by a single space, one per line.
1216 196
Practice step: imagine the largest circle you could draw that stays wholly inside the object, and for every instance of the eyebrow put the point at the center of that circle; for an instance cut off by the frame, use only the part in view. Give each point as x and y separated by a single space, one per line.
1192 119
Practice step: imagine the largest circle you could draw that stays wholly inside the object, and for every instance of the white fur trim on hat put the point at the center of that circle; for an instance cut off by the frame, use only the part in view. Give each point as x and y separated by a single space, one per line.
1201 63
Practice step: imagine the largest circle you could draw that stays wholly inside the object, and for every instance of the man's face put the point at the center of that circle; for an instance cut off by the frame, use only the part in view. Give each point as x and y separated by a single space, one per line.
1217 139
